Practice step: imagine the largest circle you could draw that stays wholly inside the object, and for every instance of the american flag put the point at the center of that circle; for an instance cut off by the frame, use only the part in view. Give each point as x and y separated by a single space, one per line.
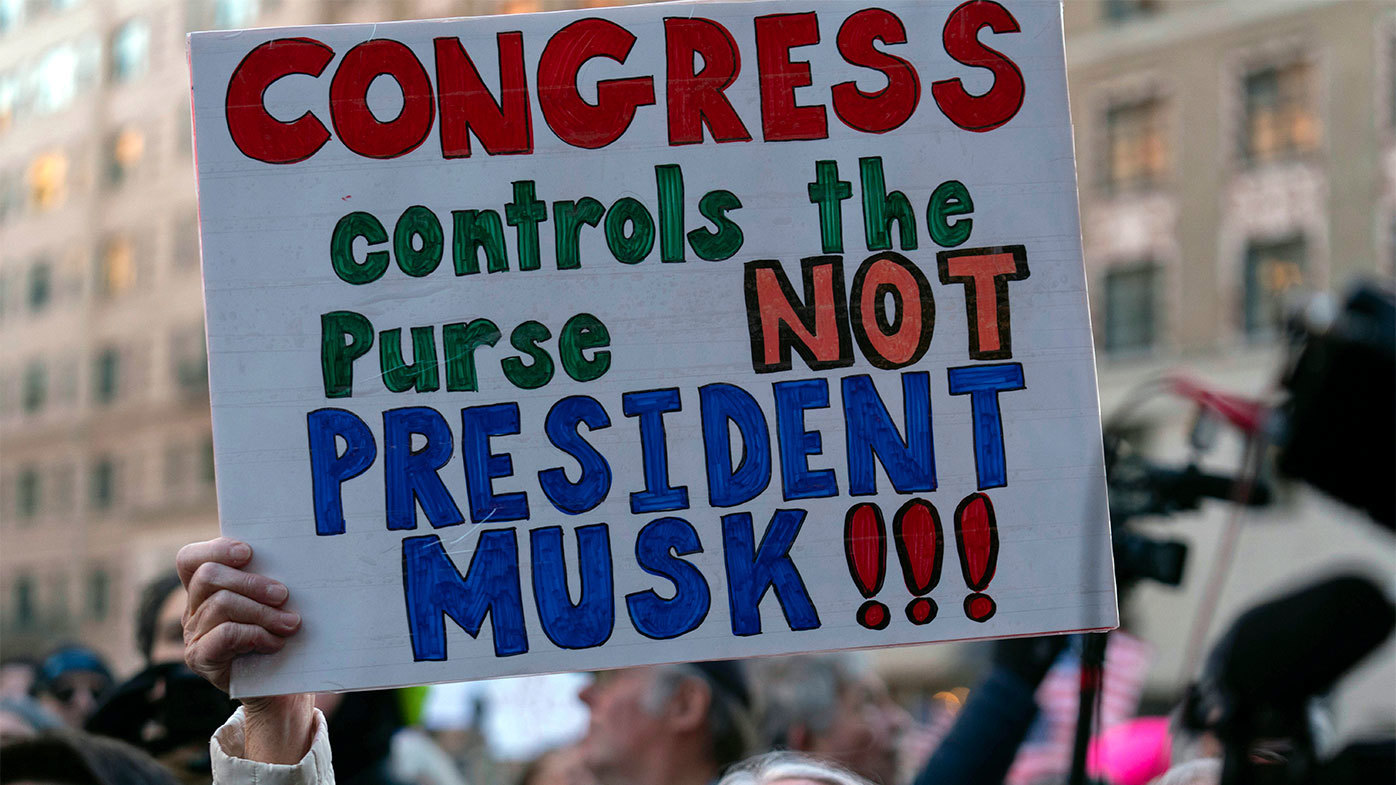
1046 753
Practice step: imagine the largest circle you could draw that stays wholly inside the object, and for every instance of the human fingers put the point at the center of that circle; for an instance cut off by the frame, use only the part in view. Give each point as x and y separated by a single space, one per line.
212 577
211 655
226 606
222 550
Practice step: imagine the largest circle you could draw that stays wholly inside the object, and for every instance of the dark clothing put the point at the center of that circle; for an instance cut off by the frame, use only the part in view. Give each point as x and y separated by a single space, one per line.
984 740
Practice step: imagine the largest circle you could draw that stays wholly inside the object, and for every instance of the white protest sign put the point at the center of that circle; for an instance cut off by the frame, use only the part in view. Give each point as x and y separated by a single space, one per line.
649 334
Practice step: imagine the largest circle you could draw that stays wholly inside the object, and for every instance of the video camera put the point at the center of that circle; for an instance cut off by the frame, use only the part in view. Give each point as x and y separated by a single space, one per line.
1338 424
1335 429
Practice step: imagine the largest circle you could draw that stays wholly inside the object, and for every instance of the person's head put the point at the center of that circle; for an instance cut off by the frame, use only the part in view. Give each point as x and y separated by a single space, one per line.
789 768
71 681
1190 737
831 706
160 620
75 758
649 722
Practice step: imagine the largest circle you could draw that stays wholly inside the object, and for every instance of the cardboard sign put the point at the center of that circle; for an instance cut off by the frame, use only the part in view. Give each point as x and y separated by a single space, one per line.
650 334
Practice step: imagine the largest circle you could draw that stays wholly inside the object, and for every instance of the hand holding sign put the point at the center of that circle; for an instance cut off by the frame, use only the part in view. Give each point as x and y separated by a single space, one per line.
232 612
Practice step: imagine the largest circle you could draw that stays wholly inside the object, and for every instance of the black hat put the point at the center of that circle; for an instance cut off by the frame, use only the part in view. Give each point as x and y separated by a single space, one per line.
728 676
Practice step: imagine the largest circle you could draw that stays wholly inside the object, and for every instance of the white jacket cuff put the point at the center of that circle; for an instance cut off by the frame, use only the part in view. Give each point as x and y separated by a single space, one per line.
229 767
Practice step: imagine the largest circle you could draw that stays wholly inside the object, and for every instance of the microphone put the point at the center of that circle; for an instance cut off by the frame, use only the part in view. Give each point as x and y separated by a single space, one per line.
1260 676
1296 646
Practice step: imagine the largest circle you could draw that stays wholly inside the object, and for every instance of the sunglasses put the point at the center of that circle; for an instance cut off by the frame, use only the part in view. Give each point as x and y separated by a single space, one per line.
66 693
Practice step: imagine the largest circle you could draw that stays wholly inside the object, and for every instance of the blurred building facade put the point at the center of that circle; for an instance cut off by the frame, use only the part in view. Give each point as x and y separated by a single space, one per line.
1232 157
1230 154
103 383
106 462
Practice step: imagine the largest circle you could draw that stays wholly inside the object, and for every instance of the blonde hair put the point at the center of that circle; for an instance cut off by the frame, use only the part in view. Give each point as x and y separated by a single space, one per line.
776 766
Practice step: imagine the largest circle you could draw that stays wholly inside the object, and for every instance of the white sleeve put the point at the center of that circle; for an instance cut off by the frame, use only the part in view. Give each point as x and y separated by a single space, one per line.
230 768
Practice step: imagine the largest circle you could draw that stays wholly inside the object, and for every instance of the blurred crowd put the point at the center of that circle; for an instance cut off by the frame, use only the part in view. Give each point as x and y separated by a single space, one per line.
814 718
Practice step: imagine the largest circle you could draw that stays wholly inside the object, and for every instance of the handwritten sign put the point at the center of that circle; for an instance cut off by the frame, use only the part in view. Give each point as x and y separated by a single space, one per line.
649 334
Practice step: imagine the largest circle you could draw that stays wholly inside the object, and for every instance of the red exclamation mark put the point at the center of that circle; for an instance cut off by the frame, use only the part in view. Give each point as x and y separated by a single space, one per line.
865 545
978 540
917 532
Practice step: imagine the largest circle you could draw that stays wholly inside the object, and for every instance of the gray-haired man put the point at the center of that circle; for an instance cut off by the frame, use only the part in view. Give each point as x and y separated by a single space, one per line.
667 724
834 707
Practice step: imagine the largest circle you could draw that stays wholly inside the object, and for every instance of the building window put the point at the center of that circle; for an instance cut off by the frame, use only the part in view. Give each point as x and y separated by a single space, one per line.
106 376
130 50
25 616
1118 11
1274 274
35 391
28 493
221 14
56 78
48 180
189 358
1136 149
124 152
40 286
1280 118
103 484
229 14
1130 314
116 271
12 14
98 594
51 82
